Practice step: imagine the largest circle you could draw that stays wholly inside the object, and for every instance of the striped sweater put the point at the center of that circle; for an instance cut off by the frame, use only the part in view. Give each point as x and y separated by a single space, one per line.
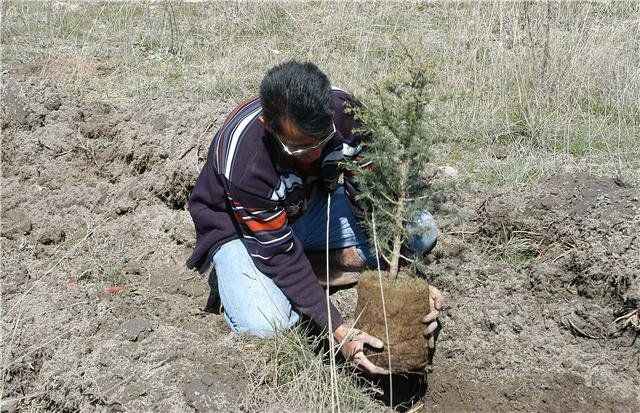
249 190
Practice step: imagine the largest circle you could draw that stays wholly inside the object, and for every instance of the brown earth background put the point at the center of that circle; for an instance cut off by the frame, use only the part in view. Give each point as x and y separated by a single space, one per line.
107 113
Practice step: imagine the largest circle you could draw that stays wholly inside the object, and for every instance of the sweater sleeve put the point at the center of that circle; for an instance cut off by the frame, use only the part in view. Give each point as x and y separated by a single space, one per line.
276 251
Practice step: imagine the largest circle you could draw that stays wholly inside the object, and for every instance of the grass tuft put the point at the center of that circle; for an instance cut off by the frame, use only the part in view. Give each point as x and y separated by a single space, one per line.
293 373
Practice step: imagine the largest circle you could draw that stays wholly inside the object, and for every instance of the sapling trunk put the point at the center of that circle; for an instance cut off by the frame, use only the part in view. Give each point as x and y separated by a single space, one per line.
399 219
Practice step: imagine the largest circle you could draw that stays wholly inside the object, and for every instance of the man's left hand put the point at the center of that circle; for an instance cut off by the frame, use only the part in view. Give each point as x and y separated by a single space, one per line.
437 304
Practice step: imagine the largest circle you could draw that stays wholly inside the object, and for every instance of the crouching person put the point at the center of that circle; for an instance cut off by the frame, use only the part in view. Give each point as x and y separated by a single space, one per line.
259 209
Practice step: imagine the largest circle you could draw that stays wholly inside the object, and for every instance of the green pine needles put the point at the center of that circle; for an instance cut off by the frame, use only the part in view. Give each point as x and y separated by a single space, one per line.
398 136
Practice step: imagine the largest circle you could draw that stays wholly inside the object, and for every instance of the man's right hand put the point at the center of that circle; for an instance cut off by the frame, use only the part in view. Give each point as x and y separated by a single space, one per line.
352 341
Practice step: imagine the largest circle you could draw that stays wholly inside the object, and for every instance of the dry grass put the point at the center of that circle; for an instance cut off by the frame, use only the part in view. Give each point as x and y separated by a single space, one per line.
292 373
539 86
542 85
525 89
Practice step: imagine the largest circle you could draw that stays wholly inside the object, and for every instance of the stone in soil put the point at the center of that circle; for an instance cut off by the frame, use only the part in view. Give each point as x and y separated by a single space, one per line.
137 329
15 222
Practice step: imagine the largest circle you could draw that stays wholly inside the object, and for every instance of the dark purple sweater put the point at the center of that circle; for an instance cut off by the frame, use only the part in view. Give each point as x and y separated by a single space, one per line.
248 190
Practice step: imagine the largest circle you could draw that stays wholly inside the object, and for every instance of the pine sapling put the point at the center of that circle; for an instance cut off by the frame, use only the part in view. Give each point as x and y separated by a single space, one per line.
398 137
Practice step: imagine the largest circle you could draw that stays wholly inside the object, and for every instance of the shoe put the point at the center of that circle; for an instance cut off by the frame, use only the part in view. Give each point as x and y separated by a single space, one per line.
214 303
343 279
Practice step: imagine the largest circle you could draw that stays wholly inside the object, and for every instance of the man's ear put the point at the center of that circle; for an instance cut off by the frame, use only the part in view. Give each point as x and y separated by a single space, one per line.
265 123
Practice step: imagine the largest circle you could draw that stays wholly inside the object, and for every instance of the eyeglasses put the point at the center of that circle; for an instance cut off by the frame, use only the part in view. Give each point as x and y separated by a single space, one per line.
297 151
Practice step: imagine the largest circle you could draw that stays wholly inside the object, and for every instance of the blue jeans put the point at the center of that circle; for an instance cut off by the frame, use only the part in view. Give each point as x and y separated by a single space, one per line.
254 304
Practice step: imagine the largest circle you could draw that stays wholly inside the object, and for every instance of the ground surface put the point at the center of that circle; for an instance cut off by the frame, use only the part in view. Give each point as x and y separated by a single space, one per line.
107 112
547 319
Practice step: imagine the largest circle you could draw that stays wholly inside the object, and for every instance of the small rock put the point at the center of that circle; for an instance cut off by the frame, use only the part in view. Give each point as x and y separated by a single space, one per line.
16 222
208 379
52 236
453 247
500 153
21 277
9 405
159 123
136 329
447 172
40 252
123 209
53 102
137 194
133 268
136 390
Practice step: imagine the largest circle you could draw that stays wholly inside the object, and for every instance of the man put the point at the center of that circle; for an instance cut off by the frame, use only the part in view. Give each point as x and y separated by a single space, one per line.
259 207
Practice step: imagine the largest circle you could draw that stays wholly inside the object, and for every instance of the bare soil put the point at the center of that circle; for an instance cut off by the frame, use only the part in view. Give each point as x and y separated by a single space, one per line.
99 312
406 303
535 283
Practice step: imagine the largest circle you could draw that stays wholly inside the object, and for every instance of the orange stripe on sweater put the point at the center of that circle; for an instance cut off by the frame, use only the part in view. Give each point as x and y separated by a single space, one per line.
256 225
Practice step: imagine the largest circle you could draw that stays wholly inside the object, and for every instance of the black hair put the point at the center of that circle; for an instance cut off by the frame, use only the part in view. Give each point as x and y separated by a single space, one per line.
299 92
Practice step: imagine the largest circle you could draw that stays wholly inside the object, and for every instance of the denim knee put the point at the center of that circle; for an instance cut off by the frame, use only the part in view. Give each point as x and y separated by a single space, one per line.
252 303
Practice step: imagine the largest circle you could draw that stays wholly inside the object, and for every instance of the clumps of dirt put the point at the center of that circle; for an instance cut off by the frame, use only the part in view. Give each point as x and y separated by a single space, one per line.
95 234
22 370
15 223
52 236
581 233
139 161
44 127
13 109
175 186
406 303
95 130
180 230
534 281
632 296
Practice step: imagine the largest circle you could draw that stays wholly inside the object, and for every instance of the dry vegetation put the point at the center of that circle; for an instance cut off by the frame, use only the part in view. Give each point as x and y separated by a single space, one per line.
549 84
524 90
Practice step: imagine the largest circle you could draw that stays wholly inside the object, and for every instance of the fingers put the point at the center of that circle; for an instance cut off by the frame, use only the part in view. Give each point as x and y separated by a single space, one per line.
363 363
433 326
371 340
439 303
432 316
431 351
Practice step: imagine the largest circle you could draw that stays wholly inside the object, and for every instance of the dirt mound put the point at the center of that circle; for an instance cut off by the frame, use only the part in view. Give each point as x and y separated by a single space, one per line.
583 232
535 281
99 311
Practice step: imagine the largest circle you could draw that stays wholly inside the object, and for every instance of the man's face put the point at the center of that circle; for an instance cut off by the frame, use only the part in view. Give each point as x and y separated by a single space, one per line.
297 144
